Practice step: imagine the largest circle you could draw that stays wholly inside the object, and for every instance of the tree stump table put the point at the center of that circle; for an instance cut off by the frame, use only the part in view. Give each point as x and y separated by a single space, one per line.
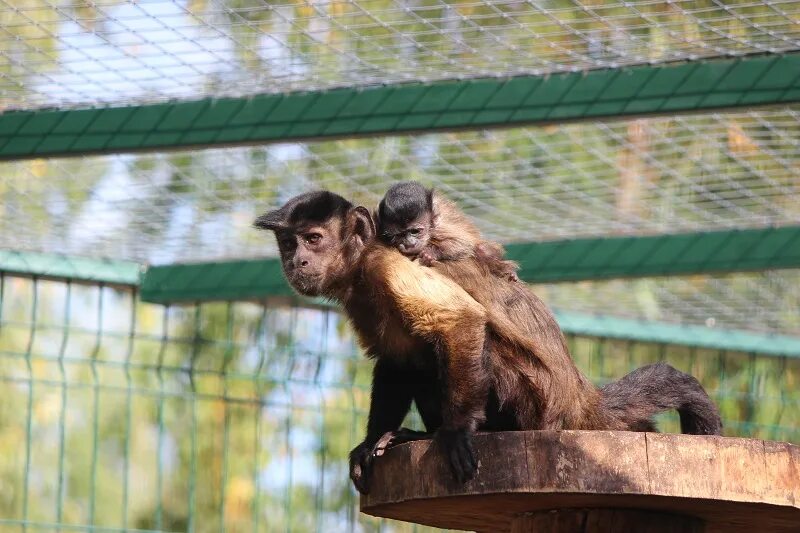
595 481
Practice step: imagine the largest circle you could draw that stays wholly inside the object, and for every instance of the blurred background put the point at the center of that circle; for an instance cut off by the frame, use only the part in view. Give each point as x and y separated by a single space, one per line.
139 393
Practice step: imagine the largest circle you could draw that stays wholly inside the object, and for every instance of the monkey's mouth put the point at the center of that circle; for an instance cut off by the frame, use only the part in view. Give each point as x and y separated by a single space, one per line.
306 283
410 251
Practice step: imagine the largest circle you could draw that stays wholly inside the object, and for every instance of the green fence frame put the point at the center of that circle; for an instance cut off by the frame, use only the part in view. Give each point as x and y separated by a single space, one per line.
540 262
261 280
476 103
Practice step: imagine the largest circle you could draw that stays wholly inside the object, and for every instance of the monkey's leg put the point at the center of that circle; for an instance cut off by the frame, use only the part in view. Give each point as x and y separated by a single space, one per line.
428 399
389 404
437 309
466 382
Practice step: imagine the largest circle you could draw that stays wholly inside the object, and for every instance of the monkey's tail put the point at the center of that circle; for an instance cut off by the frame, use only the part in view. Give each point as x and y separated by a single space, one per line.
647 391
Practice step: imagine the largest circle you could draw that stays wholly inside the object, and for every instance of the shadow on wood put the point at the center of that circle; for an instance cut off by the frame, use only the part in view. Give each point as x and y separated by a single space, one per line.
605 479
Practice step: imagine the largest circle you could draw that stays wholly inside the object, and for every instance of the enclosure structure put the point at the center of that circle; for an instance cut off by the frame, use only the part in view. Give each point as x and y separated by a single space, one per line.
639 159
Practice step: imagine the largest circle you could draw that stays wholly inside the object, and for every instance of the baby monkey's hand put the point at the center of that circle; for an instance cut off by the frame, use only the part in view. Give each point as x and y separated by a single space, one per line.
427 257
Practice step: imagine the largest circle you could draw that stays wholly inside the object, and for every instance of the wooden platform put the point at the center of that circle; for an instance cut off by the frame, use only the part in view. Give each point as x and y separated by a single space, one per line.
713 484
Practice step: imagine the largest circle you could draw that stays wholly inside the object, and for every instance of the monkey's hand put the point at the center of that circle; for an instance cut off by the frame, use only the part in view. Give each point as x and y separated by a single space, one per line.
361 466
363 455
457 447
427 257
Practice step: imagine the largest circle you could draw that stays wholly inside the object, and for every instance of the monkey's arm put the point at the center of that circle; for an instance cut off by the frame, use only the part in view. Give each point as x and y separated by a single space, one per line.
491 254
440 311
389 403
444 250
453 236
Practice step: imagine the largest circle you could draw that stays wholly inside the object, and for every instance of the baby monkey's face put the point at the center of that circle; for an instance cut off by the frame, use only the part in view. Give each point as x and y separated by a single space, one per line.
409 238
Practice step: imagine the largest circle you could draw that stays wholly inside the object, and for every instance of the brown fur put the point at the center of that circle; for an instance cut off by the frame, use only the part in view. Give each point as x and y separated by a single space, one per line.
425 226
472 354
456 237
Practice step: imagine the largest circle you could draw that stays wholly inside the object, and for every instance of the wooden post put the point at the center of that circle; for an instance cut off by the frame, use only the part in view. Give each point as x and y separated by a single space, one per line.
595 481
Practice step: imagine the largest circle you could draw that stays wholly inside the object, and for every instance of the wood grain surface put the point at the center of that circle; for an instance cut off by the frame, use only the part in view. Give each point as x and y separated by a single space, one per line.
730 484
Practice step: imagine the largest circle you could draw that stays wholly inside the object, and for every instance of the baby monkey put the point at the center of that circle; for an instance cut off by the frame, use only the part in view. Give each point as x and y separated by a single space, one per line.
424 225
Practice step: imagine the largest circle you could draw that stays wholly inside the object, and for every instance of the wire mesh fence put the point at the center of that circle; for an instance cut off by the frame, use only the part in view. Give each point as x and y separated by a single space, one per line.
647 176
121 415
114 51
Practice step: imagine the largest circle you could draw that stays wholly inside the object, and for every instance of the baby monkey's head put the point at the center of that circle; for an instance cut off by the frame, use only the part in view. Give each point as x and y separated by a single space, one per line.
405 217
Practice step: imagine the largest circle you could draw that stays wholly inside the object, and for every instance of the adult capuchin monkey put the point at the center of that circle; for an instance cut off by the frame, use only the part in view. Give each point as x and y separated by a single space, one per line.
471 350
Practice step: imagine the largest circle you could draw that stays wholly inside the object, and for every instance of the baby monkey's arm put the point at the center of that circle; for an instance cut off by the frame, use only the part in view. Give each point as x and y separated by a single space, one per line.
491 255
444 250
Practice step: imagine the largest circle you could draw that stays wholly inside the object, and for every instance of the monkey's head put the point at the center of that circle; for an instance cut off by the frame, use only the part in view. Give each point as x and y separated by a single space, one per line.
320 238
405 217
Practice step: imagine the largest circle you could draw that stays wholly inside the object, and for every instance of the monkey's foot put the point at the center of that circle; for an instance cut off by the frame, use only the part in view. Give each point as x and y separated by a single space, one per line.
393 438
457 447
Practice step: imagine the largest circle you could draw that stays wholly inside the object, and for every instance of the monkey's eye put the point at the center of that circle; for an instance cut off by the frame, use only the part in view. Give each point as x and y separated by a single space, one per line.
414 231
312 238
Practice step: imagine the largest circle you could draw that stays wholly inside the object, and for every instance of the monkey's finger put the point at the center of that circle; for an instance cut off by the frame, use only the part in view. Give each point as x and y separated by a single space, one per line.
463 471
383 443
459 463
361 477
361 467
471 453
468 463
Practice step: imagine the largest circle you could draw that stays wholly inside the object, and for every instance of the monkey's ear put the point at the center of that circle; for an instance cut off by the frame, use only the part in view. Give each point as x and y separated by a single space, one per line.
272 220
362 223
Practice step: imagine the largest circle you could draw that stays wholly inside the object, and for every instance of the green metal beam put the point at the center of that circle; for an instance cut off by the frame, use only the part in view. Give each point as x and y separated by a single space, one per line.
610 327
540 262
232 280
261 279
660 255
476 103
63 267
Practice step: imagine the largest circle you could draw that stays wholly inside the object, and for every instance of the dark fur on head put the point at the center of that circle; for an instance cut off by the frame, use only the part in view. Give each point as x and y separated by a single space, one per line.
404 202
406 220
315 206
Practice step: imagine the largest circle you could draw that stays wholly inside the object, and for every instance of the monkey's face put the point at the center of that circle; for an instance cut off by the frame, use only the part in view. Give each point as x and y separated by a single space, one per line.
409 238
309 255
320 238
